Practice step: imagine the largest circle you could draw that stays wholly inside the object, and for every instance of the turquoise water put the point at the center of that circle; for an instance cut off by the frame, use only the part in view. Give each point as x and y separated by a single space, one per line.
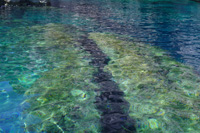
27 51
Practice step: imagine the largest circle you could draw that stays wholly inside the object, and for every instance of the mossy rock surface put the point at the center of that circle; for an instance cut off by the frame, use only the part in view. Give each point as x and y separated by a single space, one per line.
28 51
164 94
62 98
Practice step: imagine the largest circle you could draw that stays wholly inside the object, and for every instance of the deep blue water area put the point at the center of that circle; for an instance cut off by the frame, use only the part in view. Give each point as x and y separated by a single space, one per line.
173 25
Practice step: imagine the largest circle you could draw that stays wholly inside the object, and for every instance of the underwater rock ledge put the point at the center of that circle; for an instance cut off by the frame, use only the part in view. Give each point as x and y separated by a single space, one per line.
164 94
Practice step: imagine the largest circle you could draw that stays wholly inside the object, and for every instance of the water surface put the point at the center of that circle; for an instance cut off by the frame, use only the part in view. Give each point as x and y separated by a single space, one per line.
171 25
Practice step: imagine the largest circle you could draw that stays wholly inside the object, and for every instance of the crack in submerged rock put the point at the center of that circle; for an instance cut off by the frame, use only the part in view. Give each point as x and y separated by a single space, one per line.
110 102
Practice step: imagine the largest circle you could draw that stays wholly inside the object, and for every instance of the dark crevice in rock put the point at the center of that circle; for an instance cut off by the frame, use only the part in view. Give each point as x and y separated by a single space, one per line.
110 102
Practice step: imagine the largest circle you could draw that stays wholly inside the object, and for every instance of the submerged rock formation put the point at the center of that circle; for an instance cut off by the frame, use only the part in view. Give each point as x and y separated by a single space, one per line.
110 102
164 94
62 98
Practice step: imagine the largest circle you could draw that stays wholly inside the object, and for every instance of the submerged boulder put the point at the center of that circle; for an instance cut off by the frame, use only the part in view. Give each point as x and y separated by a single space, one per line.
163 94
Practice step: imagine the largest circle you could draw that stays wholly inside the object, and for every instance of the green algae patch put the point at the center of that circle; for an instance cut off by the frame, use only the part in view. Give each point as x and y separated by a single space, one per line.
32 50
65 102
62 98
163 94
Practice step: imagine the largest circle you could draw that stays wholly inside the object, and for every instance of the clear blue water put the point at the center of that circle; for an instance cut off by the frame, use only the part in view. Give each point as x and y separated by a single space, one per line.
173 25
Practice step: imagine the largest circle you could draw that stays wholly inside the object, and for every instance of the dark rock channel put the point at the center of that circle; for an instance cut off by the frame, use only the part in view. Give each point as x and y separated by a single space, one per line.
110 101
